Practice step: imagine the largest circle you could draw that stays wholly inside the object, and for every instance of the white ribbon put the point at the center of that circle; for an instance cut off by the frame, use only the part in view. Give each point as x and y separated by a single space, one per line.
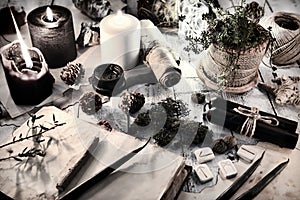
253 115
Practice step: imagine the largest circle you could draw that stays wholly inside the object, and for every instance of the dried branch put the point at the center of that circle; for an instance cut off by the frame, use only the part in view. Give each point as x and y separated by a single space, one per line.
37 132
43 130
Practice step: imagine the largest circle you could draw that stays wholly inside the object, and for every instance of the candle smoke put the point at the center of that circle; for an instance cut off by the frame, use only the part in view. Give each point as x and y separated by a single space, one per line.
24 50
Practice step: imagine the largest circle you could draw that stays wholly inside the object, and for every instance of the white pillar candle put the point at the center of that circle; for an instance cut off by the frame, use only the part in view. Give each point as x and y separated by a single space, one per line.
120 36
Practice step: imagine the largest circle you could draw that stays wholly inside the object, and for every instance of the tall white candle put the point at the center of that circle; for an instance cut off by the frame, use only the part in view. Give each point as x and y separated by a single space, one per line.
120 36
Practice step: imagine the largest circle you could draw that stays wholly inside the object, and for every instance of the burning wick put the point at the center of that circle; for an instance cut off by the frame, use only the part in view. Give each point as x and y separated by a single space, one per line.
119 20
49 15
24 50
119 13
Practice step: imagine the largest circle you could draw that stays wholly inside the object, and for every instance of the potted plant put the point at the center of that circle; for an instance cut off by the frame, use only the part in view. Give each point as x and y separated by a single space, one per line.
235 44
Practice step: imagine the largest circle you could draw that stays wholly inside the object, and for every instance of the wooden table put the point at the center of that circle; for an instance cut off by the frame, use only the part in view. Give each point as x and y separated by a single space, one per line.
285 186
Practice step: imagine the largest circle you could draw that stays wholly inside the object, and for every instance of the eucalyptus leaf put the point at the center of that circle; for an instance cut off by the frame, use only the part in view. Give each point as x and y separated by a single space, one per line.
44 128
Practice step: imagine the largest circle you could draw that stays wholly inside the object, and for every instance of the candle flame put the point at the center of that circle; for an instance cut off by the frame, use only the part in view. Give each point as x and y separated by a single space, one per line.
49 14
24 50
119 13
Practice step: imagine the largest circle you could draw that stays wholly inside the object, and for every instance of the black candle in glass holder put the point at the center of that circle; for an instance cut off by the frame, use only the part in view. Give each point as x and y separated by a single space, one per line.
51 31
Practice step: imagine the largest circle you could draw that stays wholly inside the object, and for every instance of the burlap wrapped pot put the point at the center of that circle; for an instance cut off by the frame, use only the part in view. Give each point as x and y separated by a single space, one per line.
215 61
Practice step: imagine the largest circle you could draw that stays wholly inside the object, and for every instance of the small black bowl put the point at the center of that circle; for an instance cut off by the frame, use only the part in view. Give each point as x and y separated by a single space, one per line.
108 79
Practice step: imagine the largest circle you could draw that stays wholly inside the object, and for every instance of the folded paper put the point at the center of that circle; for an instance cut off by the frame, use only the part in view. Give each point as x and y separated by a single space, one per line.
38 178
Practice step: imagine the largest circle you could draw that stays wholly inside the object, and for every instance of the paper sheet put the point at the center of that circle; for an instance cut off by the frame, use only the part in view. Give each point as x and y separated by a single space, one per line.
148 174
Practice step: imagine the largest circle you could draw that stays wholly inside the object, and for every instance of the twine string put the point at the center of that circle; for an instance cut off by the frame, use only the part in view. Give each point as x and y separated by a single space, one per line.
253 115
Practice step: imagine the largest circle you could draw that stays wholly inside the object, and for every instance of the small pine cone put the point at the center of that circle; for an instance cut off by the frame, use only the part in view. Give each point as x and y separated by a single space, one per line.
198 98
131 102
143 119
72 73
201 134
230 141
219 146
90 103
105 124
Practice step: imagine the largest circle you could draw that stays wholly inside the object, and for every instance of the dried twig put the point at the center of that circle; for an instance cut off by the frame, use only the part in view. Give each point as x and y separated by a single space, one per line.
44 129
37 132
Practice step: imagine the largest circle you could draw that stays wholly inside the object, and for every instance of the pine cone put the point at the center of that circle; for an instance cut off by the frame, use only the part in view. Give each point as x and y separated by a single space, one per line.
143 119
105 124
198 98
72 73
201 134
90 103
131 102
219 146
230 141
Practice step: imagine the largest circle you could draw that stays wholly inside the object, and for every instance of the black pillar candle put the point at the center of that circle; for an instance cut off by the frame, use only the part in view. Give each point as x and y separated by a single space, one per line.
54 38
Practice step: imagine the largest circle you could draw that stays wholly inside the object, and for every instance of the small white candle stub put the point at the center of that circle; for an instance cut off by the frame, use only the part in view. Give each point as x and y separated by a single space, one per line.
120 36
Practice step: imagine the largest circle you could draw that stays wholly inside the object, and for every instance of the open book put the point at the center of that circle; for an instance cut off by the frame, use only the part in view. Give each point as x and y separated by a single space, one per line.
153 173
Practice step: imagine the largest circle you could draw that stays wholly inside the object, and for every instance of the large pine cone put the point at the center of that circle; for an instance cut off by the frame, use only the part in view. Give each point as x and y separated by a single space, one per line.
72 73
90 103
131 102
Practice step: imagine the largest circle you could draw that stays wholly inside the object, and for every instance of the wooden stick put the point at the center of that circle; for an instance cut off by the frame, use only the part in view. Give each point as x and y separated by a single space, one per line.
65 181
85 186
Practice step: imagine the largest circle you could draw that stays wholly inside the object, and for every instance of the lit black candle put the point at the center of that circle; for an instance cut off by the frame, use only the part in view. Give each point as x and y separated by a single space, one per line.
28 85
53 34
